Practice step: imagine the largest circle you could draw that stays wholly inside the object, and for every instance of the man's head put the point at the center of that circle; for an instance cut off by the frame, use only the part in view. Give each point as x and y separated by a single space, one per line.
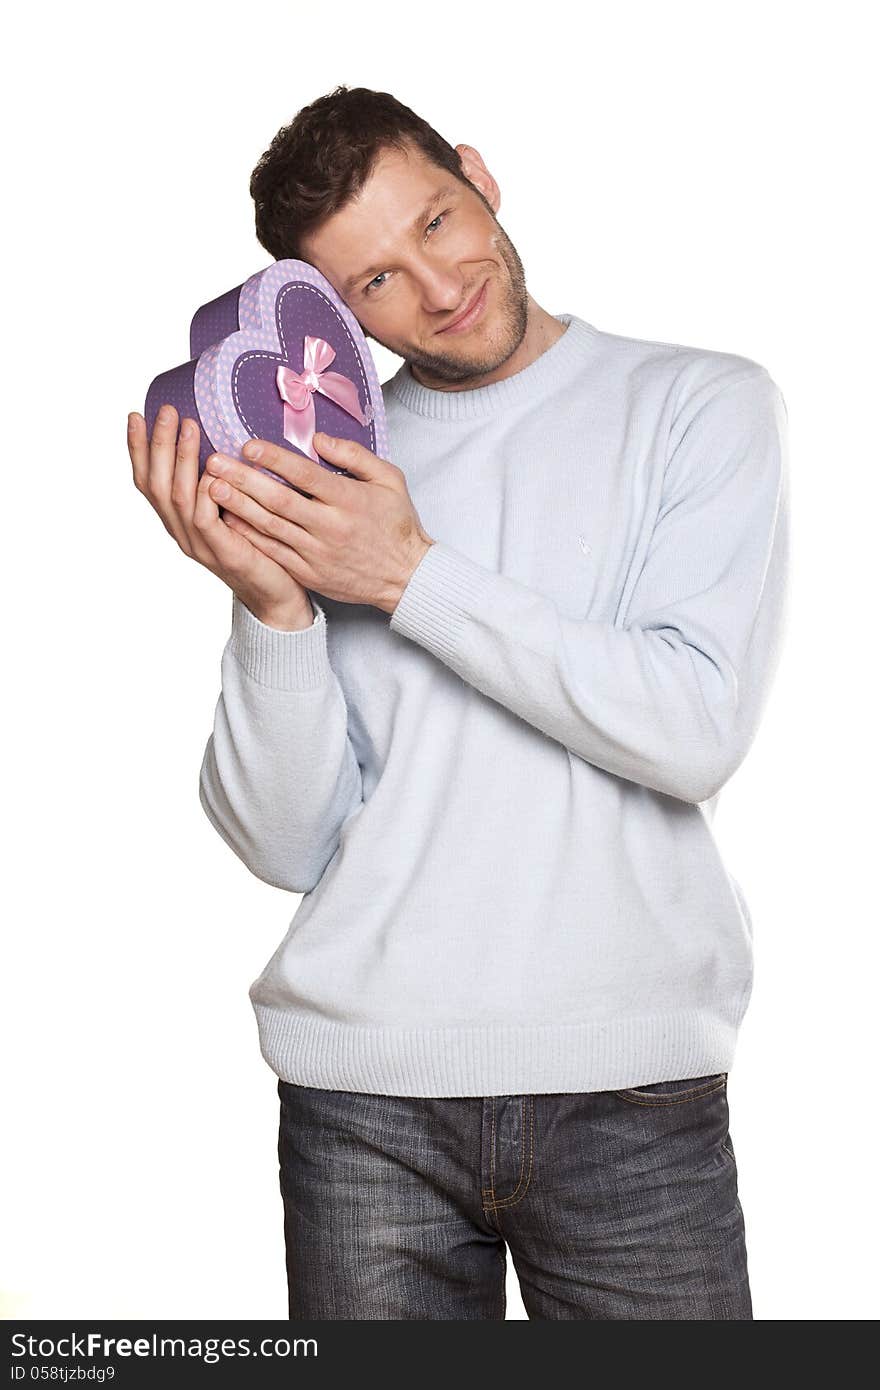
401 224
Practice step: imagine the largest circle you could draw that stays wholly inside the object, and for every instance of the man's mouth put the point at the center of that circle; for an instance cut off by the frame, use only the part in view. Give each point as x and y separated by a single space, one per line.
470 313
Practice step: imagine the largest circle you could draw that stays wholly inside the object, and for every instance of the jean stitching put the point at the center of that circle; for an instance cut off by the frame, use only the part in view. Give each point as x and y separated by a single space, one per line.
512 1199
489 1206
679 1098
522 1162
490 1190
503 1258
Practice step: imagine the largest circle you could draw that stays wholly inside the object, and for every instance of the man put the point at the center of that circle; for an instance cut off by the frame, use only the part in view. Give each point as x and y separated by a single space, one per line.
477 706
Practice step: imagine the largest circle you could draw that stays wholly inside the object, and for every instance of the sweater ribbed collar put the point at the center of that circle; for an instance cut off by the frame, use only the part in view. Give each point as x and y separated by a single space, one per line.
570 349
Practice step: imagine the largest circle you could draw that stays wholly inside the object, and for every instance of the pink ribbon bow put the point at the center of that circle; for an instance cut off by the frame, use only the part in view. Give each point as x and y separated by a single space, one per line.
297 391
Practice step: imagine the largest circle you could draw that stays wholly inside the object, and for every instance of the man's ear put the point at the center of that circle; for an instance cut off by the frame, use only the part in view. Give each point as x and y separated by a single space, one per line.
476 172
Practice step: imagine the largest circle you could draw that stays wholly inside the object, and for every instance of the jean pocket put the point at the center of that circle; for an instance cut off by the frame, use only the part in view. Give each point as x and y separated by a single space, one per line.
675 1092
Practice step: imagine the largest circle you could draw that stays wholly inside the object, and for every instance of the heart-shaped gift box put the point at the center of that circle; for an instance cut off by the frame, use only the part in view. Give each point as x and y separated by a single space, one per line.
261 358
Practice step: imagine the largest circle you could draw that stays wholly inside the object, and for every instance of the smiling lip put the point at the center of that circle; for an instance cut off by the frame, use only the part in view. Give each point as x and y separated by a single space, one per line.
470 315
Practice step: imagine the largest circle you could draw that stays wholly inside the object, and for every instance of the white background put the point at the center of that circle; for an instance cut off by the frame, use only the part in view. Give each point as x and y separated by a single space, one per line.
695 173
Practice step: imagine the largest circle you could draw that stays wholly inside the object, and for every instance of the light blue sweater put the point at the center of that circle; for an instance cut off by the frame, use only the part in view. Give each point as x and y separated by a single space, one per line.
497 802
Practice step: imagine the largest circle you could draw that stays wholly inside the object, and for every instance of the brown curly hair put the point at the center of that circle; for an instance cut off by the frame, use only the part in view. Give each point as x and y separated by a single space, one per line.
325 155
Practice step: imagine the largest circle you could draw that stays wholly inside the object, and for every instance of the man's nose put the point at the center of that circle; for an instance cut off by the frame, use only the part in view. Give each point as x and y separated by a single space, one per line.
443 291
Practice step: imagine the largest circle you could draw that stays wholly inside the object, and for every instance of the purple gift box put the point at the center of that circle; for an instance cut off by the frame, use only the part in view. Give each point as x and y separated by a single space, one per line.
276 358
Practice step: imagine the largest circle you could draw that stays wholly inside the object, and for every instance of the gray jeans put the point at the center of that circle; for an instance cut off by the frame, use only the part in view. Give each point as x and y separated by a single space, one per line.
613 1204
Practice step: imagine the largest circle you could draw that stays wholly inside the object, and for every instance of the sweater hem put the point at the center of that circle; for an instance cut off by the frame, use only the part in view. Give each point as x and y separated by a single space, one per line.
494 1060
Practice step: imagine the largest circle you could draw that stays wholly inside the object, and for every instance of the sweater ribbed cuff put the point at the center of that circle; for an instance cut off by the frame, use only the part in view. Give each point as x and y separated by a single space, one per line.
439 598
282 660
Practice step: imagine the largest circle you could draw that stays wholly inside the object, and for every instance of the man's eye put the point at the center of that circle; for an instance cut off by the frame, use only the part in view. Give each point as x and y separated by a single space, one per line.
371 284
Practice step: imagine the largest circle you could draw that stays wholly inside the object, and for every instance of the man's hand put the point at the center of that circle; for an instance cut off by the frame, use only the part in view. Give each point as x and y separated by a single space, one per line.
354 539
166 471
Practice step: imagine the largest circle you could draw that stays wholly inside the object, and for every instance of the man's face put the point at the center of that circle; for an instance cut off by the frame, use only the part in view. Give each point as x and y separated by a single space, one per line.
410 252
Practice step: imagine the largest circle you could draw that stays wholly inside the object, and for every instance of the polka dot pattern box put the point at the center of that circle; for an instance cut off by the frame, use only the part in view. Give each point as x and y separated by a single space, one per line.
276 358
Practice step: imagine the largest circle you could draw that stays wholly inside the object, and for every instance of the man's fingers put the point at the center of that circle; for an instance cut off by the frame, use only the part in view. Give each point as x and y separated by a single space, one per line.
228 549
155 472
354 458
186 472
163 443
295 468
138 450
235 545
289 559
260 514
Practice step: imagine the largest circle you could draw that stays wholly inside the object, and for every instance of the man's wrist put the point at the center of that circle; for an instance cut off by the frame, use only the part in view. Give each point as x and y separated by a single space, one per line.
285 619
394 594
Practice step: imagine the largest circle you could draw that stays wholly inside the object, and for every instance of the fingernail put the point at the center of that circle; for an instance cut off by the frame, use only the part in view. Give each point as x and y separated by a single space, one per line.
132 420
219 490
186 429
165 413
252 449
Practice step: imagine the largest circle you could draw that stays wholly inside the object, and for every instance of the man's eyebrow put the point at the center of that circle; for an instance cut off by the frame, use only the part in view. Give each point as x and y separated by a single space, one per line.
417 223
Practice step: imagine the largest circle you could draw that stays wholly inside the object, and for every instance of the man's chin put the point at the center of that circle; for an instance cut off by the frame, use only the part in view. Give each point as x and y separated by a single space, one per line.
445 367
